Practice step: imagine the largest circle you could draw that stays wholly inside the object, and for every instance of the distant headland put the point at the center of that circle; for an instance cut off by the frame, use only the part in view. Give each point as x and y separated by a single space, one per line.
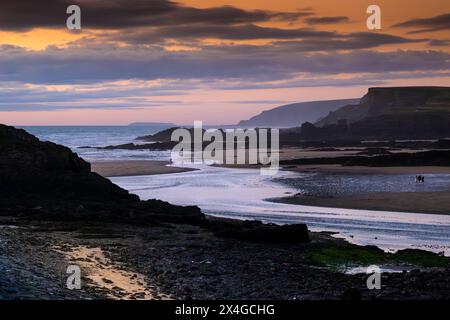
148 124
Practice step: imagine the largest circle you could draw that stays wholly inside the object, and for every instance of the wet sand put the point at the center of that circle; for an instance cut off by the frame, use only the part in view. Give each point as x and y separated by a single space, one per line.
104 274
417 202
336 168
128 168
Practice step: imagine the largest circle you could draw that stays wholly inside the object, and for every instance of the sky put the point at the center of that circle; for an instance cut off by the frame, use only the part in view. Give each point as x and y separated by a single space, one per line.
211 60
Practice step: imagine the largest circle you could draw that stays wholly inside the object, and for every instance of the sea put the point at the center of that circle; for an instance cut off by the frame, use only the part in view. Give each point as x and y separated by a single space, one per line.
244 193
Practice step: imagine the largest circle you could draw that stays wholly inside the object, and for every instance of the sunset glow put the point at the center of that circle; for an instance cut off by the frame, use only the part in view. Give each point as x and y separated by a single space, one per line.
214 61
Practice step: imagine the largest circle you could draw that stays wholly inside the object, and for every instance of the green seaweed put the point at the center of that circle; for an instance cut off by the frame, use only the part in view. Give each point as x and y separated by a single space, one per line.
337 256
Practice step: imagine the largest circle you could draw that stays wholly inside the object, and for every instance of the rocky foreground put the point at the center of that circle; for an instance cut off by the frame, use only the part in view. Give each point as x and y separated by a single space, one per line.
54 212
182 261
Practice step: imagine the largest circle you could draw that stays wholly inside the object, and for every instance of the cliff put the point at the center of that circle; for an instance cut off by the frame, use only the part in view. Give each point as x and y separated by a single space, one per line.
292 115
388 113
393 101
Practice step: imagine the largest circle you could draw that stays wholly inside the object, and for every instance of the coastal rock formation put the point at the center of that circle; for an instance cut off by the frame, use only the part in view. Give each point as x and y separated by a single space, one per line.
164 135
161 136
388 113
29 166
43 180
378 158
256 231
131 146
392 101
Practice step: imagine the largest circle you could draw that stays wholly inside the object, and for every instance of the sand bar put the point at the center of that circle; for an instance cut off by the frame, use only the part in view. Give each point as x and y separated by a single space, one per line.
417 202
127 168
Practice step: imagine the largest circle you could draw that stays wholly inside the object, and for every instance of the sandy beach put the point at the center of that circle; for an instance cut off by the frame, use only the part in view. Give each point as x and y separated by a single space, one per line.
121 168
417 202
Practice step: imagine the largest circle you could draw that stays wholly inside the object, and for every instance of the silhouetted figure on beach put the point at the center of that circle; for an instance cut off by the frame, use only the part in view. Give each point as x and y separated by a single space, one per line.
420 179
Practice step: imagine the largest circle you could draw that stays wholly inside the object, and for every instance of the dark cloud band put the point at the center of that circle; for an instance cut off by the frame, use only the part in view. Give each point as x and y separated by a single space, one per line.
250 63
118 14
437 23
327 20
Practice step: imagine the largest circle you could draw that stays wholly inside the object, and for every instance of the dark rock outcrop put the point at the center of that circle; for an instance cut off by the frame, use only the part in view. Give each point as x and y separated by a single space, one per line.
43 180
389 113
29 166
393 101
161 136
403 159
256 231
164 135
162 140
404 126
131 146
